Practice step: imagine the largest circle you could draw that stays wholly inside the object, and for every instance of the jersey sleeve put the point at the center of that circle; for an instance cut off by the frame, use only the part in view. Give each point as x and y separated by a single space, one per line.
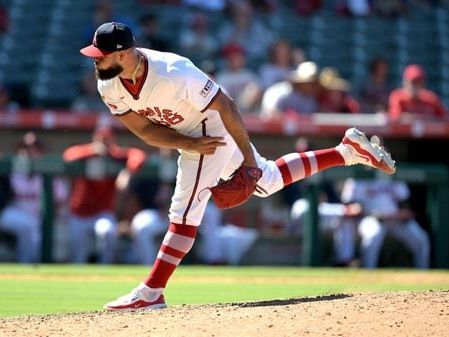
113 102
194 86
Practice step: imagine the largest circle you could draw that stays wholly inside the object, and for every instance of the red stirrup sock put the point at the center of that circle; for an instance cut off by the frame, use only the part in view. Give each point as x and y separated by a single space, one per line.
177 243
296 166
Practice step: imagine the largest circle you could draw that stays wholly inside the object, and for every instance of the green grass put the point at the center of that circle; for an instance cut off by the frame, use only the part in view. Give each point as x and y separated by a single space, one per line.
69 288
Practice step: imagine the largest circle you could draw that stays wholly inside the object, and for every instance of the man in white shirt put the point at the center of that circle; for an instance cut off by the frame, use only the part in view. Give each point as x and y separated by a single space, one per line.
382 202
166 101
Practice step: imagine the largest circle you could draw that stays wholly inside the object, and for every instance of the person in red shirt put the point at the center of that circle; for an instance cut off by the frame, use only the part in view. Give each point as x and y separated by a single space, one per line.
92 200
413 101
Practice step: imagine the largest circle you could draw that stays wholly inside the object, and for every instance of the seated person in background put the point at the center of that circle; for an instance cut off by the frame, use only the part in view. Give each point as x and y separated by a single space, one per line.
93 194
335 218
374 91
196 40
22 215
6 103
223 243
245 27
335 96
142 217
385 212
353 7
238 81
305 90
413 100
280 64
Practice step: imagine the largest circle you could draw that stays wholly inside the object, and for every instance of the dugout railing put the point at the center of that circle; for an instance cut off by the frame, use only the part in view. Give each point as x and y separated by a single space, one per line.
434 177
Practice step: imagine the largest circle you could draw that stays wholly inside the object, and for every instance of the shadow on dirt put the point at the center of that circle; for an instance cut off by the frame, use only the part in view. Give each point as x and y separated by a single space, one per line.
290 301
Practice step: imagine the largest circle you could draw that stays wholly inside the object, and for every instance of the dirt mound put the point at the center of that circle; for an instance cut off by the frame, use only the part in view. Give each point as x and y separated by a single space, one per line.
367 314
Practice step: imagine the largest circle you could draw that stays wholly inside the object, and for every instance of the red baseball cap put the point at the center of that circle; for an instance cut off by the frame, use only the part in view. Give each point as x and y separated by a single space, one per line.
414 72
108 38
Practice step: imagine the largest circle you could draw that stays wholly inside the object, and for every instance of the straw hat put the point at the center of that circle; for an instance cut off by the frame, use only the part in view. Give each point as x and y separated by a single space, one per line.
330 79
306 72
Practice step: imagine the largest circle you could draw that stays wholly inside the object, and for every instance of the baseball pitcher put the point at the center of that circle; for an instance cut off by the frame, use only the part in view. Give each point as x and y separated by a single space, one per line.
166 101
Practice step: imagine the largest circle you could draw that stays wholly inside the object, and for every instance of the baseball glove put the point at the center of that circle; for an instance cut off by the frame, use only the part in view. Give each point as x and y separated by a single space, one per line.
238 189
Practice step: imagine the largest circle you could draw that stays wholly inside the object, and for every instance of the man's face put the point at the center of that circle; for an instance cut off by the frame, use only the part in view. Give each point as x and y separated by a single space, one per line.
107 67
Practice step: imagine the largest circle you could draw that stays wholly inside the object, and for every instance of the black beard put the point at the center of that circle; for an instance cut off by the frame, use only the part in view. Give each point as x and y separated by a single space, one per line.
107 74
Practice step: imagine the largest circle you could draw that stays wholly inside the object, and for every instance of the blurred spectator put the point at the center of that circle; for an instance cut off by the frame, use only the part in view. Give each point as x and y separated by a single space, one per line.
280 64
141 210
335 96
142 218
196 41
92 199
385 209
210 5
247 30
149 34
302 95
390 8
4 19
22 215
88 101
354 7
374 91
223 243
413 101
237 81
307 7
271 97
6 104
335 219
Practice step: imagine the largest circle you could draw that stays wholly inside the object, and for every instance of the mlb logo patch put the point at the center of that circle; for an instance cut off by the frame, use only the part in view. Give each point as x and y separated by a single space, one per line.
205 91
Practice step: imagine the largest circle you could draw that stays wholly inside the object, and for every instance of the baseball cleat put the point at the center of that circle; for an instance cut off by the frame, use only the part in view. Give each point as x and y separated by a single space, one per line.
140 298
359 150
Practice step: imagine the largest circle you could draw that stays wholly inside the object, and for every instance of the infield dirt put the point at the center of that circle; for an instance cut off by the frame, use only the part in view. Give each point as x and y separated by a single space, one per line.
404 313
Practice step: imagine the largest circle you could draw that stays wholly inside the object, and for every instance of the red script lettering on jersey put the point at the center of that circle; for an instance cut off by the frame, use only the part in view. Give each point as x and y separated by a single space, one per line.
164 116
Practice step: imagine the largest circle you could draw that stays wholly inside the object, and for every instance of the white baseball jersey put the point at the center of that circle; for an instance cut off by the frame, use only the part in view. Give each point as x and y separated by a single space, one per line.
380 196
175 93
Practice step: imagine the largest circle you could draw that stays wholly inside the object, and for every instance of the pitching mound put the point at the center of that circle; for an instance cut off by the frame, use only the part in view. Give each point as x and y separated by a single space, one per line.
366 314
